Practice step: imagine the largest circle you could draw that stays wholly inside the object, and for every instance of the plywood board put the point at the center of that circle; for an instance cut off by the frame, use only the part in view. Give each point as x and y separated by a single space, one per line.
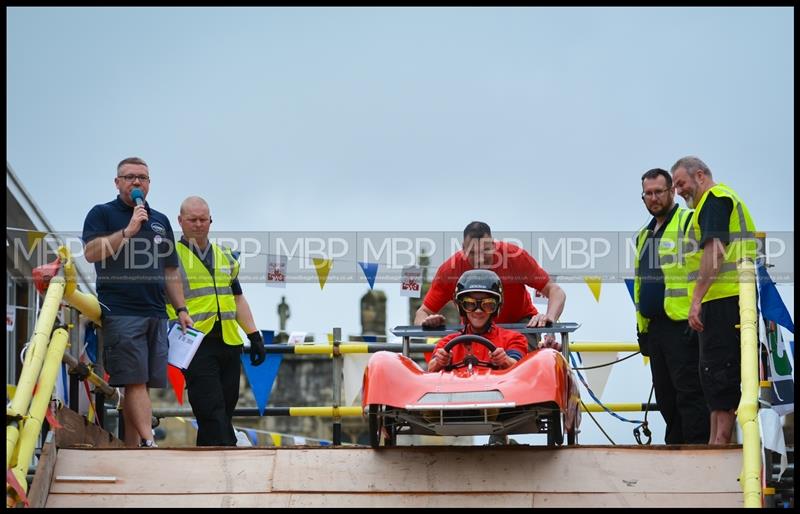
76 431
37 495
523 469
163 471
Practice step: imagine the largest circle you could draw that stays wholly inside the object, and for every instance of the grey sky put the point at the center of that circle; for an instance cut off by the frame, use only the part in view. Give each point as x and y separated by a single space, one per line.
389 119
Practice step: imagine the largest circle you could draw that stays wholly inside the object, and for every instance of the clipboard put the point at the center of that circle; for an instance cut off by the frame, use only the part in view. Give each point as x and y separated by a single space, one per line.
182 347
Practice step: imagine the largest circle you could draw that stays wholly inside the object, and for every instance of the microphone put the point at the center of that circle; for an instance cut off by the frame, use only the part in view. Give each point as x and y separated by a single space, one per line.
137 196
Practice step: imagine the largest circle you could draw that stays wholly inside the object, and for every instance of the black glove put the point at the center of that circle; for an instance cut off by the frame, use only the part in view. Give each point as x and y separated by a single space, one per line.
257 351
641 337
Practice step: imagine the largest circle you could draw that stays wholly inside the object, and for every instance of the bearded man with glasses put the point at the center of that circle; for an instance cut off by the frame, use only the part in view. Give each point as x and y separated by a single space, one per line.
661 295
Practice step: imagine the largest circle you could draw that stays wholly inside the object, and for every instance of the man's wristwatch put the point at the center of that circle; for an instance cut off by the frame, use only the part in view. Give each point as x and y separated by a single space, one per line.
181 309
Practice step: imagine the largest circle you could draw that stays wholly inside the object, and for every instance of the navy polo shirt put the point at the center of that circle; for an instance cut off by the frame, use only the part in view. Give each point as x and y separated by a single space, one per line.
131 282
651 278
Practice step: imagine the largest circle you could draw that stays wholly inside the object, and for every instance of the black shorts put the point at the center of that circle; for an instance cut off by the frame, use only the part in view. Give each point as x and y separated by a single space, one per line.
721 353
135 350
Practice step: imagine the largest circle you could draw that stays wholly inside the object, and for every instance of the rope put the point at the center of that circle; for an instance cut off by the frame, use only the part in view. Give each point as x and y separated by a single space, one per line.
598 424
608 363
643 426
596 399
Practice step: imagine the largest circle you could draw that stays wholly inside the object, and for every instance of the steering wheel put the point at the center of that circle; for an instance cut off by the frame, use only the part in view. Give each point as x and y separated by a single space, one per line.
469 359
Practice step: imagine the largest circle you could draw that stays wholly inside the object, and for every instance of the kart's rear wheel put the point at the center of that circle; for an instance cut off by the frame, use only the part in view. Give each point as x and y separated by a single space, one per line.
378 429
555 436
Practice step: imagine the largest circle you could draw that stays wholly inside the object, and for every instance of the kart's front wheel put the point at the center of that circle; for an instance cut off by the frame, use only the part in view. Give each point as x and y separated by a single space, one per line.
378 429
572 436
555 435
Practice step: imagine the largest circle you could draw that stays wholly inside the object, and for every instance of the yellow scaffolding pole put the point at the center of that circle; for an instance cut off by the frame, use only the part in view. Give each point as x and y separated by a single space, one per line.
34 359
603 347
87 304
747 412
41 402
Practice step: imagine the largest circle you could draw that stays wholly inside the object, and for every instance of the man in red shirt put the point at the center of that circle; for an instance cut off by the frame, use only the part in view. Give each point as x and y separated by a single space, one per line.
479 296
516 269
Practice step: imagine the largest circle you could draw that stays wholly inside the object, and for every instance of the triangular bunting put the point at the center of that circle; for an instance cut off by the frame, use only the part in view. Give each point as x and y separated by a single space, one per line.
262 378
370 271
276 438
594 283
629 285
178 381
353 371
323 267
598 377
770 302
50 416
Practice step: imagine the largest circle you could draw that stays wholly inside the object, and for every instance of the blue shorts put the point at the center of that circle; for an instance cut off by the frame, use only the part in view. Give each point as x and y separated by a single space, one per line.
135 350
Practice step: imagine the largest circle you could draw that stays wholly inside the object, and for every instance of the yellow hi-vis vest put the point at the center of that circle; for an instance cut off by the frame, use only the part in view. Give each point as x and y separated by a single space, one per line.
208 296
671 253
742 245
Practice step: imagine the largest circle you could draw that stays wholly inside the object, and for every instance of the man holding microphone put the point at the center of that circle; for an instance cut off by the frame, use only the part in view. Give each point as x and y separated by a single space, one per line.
133 249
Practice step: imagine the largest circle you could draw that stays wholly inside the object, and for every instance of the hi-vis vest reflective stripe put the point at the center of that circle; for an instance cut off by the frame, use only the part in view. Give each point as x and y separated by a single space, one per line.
742 245
205 293
671 253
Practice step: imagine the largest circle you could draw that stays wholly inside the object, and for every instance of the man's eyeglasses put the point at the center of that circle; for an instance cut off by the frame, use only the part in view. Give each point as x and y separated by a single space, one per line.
653 194
131 178
471 305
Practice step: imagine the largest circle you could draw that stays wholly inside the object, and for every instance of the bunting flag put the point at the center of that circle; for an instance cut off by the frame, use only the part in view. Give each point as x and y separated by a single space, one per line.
353 370
598 377
262 378
276 270
50 416
411 281
62 385
276 439
299 440
629 285
781 374
34 237
370 271
594 283
90 342
323 267
296 338
252 435
771 428
770 302
242 439
178 381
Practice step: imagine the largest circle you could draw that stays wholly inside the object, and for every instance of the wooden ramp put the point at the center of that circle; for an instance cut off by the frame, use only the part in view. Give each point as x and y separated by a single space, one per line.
429 476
